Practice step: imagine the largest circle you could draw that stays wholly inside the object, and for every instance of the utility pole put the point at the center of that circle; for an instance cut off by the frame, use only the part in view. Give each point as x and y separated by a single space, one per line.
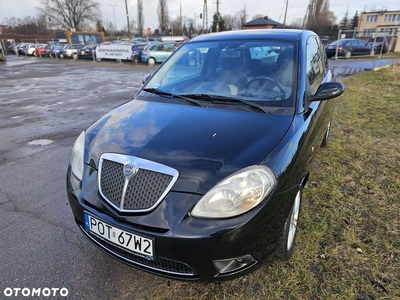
127 19
205 17
284 20
218 17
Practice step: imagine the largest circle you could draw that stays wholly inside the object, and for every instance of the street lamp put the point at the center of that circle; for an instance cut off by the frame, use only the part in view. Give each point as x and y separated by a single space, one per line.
115 24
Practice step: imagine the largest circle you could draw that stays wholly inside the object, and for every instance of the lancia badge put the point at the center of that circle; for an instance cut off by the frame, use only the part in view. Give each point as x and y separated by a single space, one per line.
129 170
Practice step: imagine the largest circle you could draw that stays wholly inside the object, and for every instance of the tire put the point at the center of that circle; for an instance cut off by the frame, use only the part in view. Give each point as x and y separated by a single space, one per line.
325 140
75 56
61 55
98 59
287 243
135 59
151 61
347 54
192 62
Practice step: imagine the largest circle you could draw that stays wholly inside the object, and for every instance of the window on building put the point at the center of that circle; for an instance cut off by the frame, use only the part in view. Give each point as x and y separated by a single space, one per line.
390 18
372 19
368 32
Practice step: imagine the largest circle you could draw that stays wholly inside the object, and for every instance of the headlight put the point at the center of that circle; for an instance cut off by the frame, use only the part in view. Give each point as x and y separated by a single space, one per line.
236 194
77 156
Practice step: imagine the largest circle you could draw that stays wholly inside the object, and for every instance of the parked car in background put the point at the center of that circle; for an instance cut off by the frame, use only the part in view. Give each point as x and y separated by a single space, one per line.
90 51
137 52
200 177
30 49
40 51
157 52
348 48
45 51
13 48
378 42
71 51
325 42
57 51
21 48
82 52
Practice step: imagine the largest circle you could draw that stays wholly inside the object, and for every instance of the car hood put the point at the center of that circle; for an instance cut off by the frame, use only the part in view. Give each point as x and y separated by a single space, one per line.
203 144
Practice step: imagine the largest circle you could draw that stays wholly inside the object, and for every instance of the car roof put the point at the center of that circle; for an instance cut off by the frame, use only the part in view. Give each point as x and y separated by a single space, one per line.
277 34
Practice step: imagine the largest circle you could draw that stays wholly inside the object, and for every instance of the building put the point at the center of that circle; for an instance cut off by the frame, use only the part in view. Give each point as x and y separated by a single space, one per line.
82 38
2 28
262 23
381 22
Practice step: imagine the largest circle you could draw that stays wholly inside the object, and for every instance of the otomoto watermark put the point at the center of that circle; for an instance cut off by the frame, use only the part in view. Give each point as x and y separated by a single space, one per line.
35 292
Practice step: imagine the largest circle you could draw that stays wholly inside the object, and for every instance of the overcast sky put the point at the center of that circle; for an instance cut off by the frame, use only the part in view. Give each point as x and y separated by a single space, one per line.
191 8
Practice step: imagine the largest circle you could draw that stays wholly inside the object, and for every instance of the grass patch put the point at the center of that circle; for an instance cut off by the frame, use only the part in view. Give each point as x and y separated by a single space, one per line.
348 245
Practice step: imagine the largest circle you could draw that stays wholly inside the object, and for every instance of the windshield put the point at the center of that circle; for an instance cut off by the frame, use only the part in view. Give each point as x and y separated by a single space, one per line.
262 71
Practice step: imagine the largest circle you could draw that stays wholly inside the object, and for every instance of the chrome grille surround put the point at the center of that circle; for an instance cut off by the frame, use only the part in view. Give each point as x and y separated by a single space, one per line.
132 184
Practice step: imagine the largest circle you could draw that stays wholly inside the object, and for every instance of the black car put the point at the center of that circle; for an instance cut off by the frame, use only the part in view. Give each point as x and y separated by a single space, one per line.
200 176
348 48
87 52
325 42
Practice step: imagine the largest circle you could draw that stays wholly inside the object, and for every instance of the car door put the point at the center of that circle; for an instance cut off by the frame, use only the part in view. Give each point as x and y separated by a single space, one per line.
364 47
157 52
167 49
316 115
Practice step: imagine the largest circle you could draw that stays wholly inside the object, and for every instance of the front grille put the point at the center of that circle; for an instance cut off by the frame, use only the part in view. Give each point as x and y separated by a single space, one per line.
159 264
140 191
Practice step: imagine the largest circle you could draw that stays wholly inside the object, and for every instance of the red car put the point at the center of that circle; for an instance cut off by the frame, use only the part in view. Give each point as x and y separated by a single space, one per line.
39 51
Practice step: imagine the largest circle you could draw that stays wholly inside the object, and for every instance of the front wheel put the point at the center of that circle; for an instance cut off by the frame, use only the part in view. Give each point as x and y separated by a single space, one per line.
290 229
151 61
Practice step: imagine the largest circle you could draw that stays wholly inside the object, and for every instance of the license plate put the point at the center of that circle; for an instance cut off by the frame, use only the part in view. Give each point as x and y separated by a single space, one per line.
330 47
127 240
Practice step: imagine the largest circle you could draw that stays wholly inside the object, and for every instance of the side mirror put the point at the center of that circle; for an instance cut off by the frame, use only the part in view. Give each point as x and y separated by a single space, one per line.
327 90
146 78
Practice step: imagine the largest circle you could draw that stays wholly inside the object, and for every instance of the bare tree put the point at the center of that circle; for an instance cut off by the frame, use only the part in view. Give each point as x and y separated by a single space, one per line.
71 14
257 16
176 26
162 12
242 18
230 22
319 18
26 25
110 27
140 18
297 23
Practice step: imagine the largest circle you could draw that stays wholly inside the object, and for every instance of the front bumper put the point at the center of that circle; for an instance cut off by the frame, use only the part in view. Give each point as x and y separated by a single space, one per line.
188 248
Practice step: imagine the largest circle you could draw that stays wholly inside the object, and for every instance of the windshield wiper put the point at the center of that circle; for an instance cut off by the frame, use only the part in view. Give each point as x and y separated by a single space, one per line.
171 95
216 98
